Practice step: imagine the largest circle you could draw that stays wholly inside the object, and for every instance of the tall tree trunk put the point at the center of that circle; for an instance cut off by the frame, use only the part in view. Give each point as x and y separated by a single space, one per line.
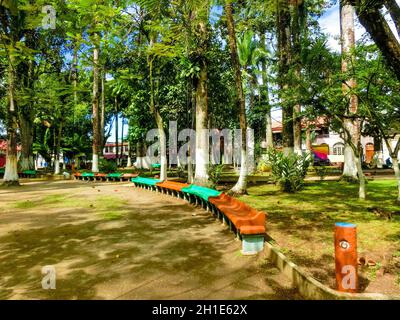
397 174
241 185
95 105
284 53
378 152
351 126
122 140
26 118
57 150
159 121
141 158
370 16
75 72
308 139
103 111
129 161
11 171
394 155
394 10
74 77
297 129
269 138
116 132
202 137
361 178
297 28
26 131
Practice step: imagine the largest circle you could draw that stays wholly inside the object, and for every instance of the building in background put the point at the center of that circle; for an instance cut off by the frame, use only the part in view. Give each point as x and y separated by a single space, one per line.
3 152
110 150
330 143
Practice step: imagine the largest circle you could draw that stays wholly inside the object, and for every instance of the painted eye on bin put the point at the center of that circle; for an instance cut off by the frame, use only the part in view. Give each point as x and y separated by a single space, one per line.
344 244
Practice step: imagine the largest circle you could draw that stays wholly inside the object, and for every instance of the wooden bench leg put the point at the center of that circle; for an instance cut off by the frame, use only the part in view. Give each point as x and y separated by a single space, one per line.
252 244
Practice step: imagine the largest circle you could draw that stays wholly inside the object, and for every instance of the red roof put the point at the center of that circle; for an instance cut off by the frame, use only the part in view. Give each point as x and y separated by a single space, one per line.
113 144
318 123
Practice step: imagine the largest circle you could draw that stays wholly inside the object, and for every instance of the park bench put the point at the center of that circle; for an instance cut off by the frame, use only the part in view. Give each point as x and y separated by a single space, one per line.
247 222
77 176
156 166
115 176
28 174
88 176
199 195
172 187
146 183
100 177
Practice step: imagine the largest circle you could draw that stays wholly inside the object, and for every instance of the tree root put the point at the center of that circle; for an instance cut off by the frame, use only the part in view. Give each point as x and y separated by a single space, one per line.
11 184
235 193
349 179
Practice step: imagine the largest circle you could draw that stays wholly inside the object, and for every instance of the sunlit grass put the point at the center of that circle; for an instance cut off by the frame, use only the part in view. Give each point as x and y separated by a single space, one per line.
106 207
49 200
303 222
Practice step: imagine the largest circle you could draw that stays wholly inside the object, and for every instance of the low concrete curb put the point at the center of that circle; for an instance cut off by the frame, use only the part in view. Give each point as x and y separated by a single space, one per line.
310 288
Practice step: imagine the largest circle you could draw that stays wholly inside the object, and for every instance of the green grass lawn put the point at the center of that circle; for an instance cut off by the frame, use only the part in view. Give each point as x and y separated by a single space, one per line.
302 223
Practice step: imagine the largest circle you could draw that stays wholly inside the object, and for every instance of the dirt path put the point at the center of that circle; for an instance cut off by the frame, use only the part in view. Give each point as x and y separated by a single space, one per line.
112 241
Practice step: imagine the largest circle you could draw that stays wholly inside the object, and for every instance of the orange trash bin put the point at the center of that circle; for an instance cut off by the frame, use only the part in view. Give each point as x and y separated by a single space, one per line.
346 257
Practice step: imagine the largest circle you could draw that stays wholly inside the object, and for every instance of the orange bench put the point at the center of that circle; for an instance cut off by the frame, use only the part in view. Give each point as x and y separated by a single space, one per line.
77 176
100 176
171 187
248 222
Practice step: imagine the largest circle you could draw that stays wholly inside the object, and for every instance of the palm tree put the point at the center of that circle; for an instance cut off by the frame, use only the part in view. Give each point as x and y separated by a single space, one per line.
348 43
241 185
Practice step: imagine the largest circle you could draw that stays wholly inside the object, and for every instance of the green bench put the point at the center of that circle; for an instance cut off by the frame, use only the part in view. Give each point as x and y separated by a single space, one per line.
28 173
146 183
156 166
87 176
114 176
197 194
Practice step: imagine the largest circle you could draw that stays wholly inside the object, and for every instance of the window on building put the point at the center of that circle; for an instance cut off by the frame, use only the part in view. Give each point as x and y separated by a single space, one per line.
338 149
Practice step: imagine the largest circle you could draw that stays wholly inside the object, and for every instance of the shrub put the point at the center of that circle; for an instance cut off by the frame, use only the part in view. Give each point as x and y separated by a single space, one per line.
264 166
181 173
290 170
107 166
321 171
214 173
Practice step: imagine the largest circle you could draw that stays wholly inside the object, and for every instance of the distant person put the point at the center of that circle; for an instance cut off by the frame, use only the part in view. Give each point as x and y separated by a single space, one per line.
389 163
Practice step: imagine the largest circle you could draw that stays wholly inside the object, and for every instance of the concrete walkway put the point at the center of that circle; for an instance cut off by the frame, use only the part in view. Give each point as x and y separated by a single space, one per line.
113 241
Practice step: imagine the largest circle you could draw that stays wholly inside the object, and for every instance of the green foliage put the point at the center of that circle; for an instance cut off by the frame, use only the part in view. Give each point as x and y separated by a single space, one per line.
290 170
214 173
107 166
181 173
321 171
